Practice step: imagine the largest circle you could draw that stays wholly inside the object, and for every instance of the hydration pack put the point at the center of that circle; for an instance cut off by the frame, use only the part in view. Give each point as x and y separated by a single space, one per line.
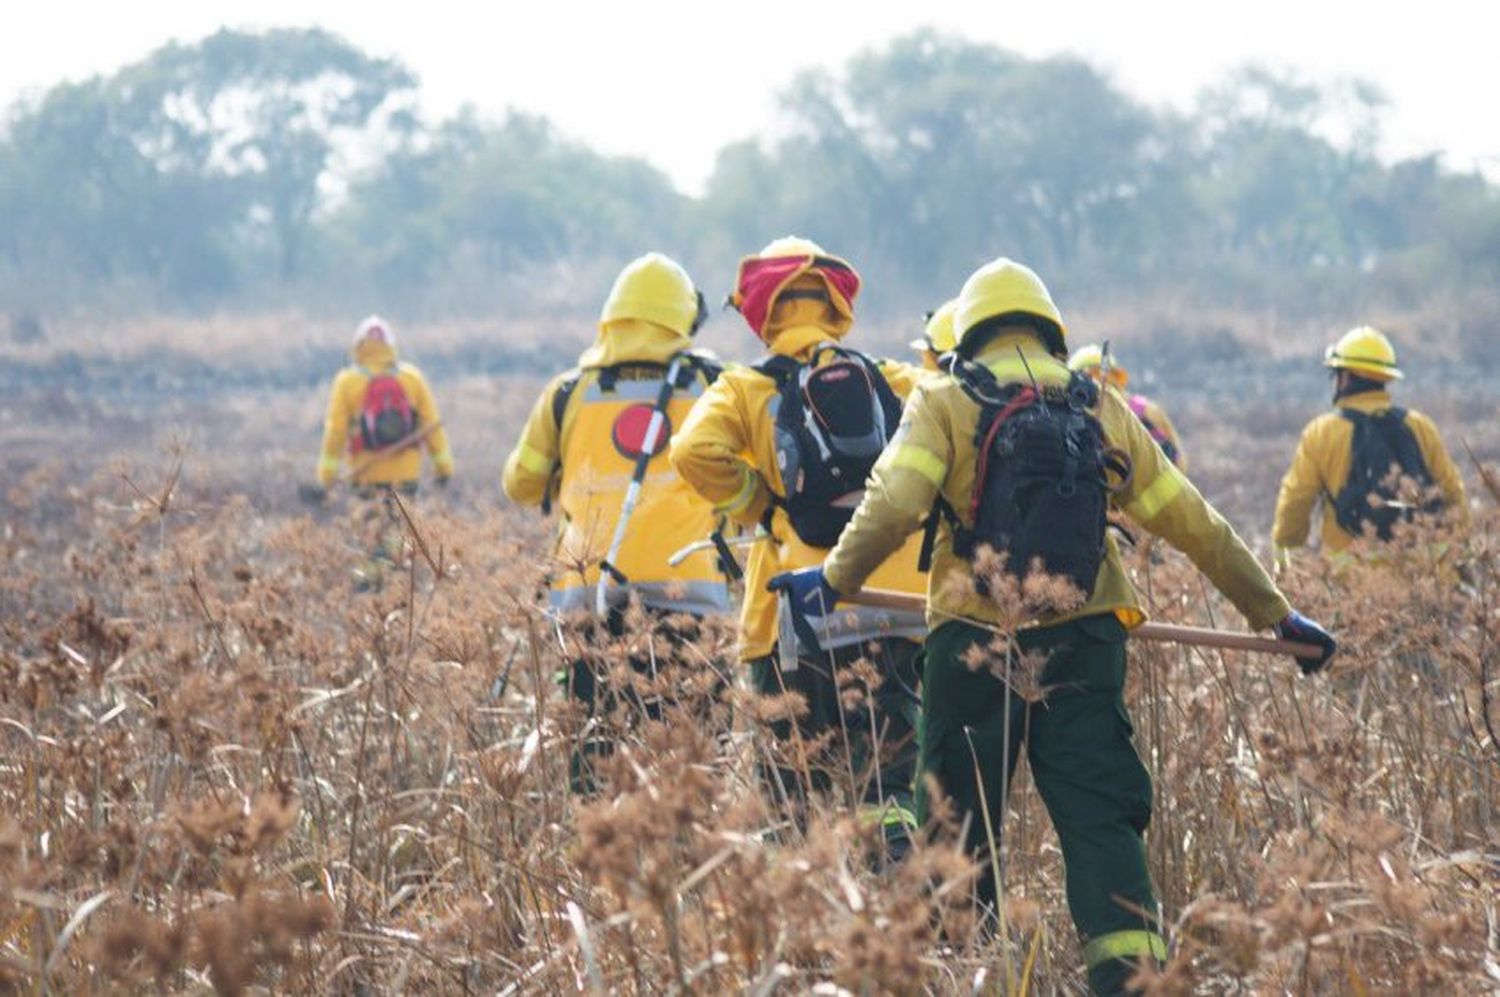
386 416
1382 442
1041 482
832 423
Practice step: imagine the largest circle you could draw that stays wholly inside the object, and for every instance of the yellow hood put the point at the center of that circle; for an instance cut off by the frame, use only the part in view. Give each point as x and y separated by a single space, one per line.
796 326
633 339
373 355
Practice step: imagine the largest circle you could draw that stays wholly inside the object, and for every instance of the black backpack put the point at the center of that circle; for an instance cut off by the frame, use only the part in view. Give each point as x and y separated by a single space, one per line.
832 424
1382 442
1041 477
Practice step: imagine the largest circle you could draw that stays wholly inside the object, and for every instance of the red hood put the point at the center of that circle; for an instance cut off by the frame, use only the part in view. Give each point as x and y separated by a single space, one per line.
761 281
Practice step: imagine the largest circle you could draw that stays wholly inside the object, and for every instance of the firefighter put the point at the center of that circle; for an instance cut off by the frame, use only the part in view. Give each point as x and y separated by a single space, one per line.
1090 360
381 416
1345 456
976 722
589 436
799 302
936 341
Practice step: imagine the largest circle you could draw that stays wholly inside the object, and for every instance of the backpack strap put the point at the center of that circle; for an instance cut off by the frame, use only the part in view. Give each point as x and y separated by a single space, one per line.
680 371
941 510
782 370
560 398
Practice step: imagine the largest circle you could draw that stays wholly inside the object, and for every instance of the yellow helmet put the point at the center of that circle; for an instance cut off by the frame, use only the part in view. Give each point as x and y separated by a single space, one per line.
655 288
1005 287
791 245
1364 350
1090 360
937 335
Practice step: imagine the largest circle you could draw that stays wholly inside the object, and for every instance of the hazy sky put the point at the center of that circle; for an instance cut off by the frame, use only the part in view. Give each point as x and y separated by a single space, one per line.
673 81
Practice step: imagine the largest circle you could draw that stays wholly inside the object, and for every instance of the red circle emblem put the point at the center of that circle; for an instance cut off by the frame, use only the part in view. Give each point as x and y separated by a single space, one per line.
630 431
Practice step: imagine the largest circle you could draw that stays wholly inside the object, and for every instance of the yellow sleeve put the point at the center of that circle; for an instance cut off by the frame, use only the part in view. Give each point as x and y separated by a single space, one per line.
428 415
709 453
903 377
1440 465
533 462
899 495
335 430
1300 489
1160 498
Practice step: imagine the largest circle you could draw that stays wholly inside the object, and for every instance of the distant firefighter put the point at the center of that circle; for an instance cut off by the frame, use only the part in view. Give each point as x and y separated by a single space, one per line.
1354 457
1090 360
937 340
381 415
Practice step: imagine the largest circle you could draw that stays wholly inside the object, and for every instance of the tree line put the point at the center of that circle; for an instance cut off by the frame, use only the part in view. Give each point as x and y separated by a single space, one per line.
287 167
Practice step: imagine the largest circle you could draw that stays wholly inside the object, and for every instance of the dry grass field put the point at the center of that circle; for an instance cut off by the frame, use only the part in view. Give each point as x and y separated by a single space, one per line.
223 770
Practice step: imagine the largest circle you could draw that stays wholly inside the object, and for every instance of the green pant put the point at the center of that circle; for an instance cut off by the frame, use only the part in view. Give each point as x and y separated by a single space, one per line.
1078 741
873 733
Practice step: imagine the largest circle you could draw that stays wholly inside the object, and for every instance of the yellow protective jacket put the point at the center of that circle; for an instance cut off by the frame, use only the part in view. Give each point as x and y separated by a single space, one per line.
935 454
341 424
1321 467
727 451
579 462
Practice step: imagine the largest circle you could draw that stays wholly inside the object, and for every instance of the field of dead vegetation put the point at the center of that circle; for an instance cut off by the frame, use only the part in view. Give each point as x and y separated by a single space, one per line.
224 770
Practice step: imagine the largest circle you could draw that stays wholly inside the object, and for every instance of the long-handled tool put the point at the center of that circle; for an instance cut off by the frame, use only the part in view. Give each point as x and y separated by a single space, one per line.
365 458
607 567
709 543
1165 632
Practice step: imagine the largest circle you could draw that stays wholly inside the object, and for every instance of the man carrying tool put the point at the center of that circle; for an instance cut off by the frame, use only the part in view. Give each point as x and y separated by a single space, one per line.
381 415
1054 453
937 337
595 444
1093 361
785 446
1354 456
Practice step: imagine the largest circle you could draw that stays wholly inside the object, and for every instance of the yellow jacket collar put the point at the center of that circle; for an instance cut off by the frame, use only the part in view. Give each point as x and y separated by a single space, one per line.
373 356
635 340
1000 356
798 340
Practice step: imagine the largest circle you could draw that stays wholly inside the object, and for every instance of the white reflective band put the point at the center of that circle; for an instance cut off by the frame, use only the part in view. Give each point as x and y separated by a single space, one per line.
698 598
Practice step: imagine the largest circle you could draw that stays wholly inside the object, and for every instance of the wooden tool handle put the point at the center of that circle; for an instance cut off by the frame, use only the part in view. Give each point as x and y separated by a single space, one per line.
1165 632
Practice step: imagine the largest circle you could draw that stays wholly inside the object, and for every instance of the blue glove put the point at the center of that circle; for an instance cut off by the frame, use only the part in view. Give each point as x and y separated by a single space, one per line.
808 590
810 597
1304 631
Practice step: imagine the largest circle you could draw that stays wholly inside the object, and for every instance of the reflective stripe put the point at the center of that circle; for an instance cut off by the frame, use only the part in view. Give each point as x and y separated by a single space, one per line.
531 460
1124 945
328 464
1167 486
889 814
698 598
744 496
444 457
926 463
639 391
848 625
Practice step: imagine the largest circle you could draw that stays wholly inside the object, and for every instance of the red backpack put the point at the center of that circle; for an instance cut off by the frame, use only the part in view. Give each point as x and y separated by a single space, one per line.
386 416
